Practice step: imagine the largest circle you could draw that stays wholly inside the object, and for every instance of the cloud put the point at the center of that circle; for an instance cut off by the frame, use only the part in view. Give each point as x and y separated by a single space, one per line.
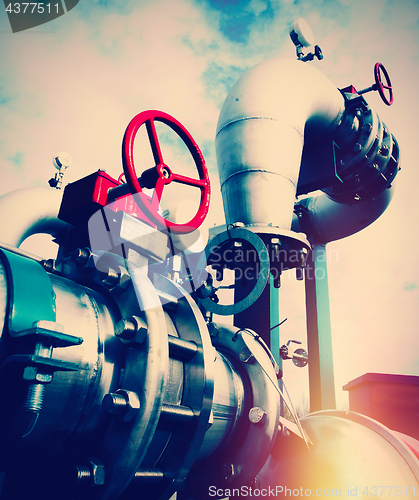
87 85
17 159
410 286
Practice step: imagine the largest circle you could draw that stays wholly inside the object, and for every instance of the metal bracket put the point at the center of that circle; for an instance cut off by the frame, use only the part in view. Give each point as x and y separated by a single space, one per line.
31 296
214 246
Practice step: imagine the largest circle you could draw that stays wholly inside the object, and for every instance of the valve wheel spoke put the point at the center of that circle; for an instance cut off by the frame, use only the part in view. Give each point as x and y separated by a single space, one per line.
158 191
189 181
154 141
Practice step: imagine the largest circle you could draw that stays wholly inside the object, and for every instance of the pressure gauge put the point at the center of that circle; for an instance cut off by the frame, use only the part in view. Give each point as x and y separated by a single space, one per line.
61 160
301 33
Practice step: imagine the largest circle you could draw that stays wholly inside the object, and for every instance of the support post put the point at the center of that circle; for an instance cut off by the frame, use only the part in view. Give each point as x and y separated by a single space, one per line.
275 337
257 316
263 318
319 336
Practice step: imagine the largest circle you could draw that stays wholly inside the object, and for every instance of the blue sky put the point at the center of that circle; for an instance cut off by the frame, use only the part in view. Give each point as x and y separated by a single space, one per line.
74 84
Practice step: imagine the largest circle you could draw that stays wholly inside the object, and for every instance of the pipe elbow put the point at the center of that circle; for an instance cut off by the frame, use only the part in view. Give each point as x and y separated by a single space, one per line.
325 220
268 114
30 211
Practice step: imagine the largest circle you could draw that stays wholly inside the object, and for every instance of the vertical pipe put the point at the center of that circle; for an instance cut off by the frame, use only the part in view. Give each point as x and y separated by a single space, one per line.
257 316
275 333
319 335
274 312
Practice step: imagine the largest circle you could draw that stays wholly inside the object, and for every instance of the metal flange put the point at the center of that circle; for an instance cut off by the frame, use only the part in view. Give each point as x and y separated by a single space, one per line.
125 444
182 426
227 239
255 437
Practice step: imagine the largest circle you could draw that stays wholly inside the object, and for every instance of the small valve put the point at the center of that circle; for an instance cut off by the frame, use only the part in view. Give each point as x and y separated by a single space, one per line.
302 36
299 355
61 162
206 289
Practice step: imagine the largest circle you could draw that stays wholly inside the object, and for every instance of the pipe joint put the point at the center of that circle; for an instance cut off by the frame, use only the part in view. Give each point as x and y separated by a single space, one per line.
367 154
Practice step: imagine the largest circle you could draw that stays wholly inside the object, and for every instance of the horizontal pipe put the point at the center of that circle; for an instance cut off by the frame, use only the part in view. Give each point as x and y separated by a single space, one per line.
326 220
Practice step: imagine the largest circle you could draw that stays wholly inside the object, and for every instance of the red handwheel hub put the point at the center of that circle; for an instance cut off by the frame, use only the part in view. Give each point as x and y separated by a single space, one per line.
162 172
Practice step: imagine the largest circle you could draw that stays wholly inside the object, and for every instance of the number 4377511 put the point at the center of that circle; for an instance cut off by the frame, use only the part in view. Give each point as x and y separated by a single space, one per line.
32 8
389 491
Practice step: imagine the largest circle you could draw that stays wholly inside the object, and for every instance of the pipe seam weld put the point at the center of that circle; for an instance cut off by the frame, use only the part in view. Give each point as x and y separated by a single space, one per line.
260 170
256 117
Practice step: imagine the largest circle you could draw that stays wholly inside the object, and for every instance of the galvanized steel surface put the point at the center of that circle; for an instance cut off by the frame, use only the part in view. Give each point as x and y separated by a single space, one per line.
268 114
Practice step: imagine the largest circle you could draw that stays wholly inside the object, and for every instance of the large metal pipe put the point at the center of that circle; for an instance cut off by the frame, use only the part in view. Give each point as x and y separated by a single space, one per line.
330 221
272 110
268 114
30 211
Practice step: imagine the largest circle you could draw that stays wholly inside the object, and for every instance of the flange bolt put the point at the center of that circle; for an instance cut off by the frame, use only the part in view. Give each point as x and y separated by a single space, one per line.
122 403
132 330
257 415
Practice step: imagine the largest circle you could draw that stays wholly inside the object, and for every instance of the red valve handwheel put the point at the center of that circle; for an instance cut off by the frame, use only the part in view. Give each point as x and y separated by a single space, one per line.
162 172
379 85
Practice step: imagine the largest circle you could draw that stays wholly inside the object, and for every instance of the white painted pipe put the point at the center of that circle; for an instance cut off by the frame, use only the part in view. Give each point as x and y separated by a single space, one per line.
30 211
330 221
268 114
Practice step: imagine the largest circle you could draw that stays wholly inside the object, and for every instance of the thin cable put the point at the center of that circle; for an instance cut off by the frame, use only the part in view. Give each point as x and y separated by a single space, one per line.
36 415
297 419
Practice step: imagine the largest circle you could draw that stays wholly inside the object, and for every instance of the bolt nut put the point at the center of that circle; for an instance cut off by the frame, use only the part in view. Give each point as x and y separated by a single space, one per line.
302 256
213 329
80 256
89 474
114 404
125 329
122 403
132 331
257 415
229 472
110 278
384 150
123 281
43 378
31 374
98 472
50 265
367 128
124 278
